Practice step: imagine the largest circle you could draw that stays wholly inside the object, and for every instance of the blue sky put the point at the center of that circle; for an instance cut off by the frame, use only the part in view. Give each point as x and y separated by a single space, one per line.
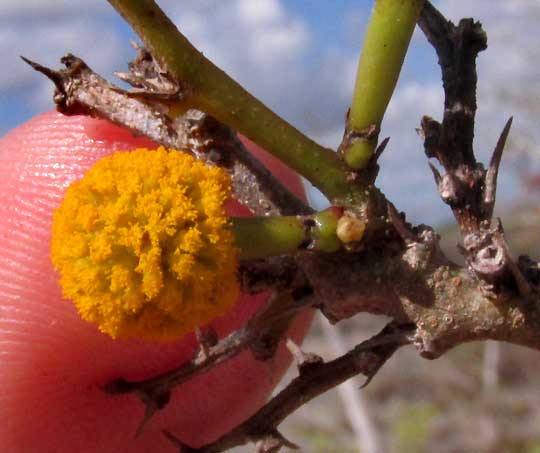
298 56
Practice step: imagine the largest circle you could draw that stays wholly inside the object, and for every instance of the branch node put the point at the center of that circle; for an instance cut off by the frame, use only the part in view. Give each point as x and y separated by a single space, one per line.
118 387
150 81
207 338
450 189
430 131
304 360
489 257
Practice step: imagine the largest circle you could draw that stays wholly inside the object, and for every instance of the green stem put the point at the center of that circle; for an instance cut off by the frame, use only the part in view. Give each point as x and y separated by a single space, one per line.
211 90
260 237
387 38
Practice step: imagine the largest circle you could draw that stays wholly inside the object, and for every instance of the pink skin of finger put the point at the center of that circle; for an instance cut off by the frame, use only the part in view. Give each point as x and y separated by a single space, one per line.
53 364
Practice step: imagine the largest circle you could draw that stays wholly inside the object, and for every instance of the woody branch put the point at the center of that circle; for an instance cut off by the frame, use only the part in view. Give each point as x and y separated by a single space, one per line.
398 270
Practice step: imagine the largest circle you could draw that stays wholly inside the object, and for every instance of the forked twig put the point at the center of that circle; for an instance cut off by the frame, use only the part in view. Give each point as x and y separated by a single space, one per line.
366 358
81 90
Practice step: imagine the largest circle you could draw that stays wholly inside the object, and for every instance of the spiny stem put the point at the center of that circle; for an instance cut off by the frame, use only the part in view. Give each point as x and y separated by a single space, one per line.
208 88
387 38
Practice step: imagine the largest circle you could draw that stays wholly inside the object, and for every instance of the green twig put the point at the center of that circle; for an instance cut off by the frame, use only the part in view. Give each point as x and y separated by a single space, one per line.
260 237
387 38
208 88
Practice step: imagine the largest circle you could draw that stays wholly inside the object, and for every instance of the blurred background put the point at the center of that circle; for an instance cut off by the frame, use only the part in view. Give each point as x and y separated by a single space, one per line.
299 57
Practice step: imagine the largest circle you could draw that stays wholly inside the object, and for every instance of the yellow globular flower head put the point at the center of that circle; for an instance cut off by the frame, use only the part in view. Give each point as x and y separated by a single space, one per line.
143 245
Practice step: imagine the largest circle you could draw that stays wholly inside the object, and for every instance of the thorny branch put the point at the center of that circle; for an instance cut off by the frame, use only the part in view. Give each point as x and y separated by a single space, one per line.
399 270
81 90
262 335
315 377
466 186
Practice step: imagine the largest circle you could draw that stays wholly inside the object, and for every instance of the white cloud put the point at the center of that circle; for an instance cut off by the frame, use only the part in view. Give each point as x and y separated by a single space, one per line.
41 8
46 44
245 38
415 99
270 32
260 12
44 31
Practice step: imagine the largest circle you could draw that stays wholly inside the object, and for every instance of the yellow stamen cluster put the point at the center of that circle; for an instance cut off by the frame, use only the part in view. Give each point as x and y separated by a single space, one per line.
143 244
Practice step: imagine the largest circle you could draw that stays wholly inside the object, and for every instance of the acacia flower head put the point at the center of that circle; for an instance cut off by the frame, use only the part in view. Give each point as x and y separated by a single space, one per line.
143 244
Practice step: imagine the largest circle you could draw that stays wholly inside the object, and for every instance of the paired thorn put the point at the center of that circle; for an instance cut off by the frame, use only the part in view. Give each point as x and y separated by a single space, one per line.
369 378
522 284
380 148
46 71
52 75
490 184
154 402
399 224
149 412
436 174
207 338
390 335
154 397
304 360
273 442
182 448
